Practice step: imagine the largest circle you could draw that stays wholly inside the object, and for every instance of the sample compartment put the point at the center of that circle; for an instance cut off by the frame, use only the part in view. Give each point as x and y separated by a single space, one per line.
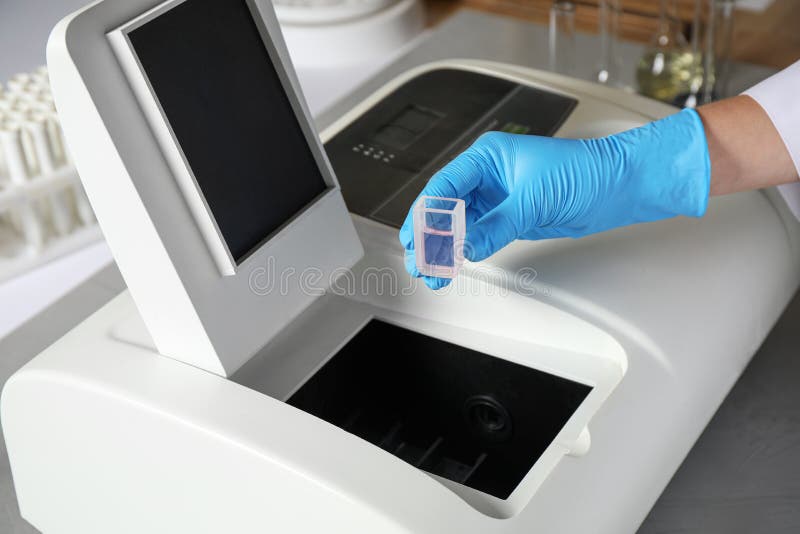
454 412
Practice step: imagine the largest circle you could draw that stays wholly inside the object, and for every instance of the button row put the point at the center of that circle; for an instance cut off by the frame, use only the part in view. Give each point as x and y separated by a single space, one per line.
374 153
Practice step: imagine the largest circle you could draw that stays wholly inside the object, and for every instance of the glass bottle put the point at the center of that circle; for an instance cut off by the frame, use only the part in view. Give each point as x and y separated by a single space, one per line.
668 67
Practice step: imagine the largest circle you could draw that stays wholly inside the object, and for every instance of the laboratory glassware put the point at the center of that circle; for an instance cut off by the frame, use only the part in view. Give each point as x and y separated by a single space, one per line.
43 210
609 69
439 232
562 37
712 31
668 68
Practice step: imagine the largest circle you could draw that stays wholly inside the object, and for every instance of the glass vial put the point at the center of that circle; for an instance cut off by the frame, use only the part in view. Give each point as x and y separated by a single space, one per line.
562 37
608 71
711 41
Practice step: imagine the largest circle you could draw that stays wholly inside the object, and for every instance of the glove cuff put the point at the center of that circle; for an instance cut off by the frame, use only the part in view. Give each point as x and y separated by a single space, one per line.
670 165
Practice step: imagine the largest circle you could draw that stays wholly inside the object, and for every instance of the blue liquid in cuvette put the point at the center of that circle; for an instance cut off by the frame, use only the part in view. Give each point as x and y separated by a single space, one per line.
439 250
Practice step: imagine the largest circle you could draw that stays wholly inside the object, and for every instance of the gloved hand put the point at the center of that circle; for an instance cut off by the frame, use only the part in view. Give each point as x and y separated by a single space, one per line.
530 187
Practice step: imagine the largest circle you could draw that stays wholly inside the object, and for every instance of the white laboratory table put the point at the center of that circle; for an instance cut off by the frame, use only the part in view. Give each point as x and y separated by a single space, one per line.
27 295
741 475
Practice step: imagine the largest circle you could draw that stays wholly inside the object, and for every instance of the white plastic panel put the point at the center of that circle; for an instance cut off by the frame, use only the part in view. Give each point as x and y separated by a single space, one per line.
193 313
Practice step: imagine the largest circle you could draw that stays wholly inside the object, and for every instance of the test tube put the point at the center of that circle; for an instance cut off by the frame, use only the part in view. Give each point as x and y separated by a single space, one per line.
17 113
45 107
18 172
20 114
58 202
8 102
717 58
608 18
562 37
41 76
19 83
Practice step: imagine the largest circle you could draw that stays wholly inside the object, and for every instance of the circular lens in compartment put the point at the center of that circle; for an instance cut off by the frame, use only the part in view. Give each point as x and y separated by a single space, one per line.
487 418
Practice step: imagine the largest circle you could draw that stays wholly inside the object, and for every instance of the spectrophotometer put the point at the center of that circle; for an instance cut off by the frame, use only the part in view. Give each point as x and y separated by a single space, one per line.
271 367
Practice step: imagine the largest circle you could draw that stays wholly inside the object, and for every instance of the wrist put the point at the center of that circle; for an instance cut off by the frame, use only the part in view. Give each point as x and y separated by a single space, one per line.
668 167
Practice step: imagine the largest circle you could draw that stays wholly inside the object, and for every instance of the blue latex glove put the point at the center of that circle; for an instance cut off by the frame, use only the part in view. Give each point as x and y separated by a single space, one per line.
531 187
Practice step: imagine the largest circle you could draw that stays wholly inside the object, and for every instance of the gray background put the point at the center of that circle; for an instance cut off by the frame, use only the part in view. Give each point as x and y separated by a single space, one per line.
743 475
24 27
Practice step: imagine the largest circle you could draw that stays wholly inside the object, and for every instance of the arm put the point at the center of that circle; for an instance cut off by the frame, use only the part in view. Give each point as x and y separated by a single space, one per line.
529 187
745 149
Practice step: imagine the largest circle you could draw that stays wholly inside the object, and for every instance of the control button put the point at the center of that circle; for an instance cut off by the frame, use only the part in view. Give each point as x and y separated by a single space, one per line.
377 156
387 160
356 149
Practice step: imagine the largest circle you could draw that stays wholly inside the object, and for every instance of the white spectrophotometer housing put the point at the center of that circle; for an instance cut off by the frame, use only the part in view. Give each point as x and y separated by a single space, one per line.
265 373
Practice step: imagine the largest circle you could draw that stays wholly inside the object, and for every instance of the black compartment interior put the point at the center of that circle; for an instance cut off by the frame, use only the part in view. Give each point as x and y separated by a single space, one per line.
451 411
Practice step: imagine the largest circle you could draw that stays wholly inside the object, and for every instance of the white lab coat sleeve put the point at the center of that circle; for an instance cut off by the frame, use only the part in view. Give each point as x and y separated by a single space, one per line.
779 95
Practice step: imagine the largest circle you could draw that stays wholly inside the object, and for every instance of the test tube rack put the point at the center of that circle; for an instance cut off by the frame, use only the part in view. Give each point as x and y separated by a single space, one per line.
44 211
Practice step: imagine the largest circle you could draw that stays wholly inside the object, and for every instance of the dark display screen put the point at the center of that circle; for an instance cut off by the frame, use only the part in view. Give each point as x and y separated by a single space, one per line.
406 127
214 79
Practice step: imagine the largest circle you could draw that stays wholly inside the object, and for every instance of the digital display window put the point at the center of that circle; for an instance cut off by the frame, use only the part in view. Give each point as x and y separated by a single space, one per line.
212 75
